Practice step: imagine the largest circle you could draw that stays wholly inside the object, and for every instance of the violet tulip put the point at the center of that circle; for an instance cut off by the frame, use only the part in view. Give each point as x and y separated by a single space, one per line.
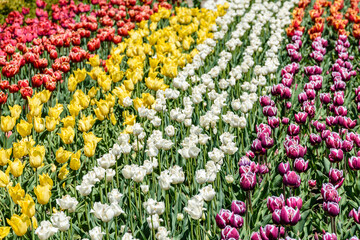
355 214
300 165
292 179
238 207
336 177
332 208
294 202
284 168
248 181
229 233
290 216
274 202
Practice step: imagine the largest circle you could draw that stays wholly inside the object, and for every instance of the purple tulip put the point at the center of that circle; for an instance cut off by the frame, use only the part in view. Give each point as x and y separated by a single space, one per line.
269 232
355 214
300 165
310 93
250 154
336 155
255 236
294 202
329 236
325 134
340 111
300 118
319 126
293 129
329 193
269 111
256 146
238 207
290 216
248 181
332 208
273 122
314 139
346 145
285 120
354 238
312 183
236 220
286 93
291 179
325 98
336 177
274 202
265 100
229 233
267 142
223 218
284 168
302 97
354 163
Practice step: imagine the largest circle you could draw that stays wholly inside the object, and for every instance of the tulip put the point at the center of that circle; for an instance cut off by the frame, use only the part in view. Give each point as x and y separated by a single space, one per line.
274 202
329 236
24 128
19 224
4 231
7 123
312 183
50 123
43 194
300 165
16 167
336 177
67 135
273 122
332 208
269 111
329 193
294 202
39 124
291 179
37 155
62 156
5 156
16 193
248 181
236 220
27 206
223 218
4 178
314 139
300 118
276 216
336 155
15 111
293 129
238 207
283 168
269 232
354 163
255 236
75 161
290 216
229 233
355 214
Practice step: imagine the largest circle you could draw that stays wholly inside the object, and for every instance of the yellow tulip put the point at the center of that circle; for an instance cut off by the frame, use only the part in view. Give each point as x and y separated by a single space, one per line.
99 114
63 172
138 103
89 149
113 119
16 167
37 155
117 76
80 75
43 194
68 121
7 123
15 111
104 107
29 118
86 123
74 109
4 231
72 83
45 180
90 137
95 72
67 135
62 155
18 150
4 178
148 99
45 96
94 61
92 92
56 111
16 193
129 118
75 161
5 156
27 206
129 85
104 82
39 124
19 224
24 128
50 123
111 100
35 105
82 98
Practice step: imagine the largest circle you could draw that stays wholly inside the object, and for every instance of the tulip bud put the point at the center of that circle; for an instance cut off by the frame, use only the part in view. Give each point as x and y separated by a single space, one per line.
312 183
332 208
336 155
294 202
293 129
336 177
300 165
289 216
255 236
329 193
236 220
274 202
248 181
238 207
291 179
273 122
354 163
284 168
285 121
300 118
229 233
269 232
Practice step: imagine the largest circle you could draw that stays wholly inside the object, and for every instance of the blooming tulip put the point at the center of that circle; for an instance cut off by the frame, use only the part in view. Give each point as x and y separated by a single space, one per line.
355 214
27 205
24 128
294 202
336 177
37 155
5 156
19 224
229 233
7 123
43 194
274 202
270 232
289 216
283 168
67 135
238 207
16 193
332 208
16 167
291 179
248 181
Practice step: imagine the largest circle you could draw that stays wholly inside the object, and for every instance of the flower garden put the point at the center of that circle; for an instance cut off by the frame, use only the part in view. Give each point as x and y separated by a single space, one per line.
129 119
